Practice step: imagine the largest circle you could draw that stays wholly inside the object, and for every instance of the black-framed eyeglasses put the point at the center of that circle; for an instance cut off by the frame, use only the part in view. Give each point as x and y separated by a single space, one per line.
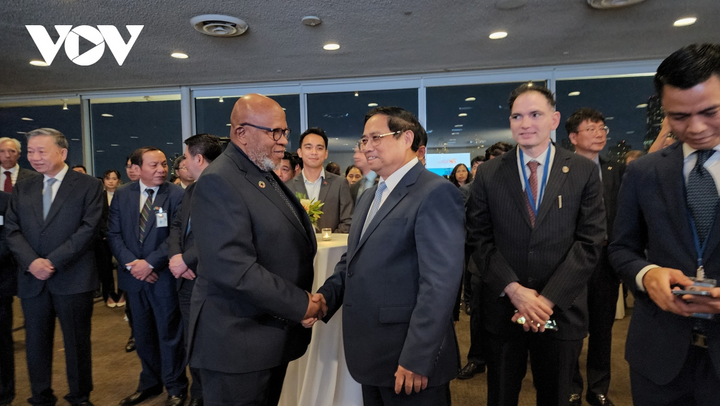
373 139
277 133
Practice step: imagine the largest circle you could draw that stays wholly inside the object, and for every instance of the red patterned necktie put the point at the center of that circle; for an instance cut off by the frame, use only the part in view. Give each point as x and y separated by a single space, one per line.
533 165
8 182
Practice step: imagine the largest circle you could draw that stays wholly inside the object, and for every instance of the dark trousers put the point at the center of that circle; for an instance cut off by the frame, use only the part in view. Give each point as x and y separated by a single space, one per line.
103 258
184 296
552 362
259 388
476 353
157 326
696 384
74 313
602 300
7 352
386 396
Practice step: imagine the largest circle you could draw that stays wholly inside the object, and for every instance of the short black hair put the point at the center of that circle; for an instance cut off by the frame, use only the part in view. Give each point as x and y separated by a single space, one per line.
136 158
453 179
688 67
332 167
531 87
478 158
314 130
178 161
205 144
402 120
349 168
109 171
80 166
582 114
497 149
296 160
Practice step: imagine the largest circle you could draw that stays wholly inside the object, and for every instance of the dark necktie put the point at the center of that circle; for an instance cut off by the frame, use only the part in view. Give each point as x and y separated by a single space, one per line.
279 190
8 182
702 195
533 165
145 213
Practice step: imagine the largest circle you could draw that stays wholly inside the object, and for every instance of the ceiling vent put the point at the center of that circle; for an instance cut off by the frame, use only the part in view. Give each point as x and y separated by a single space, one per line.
606 4
217 25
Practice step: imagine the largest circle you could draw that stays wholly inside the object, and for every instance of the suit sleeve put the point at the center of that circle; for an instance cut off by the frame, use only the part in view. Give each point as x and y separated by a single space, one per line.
176 231
574 272
346 207
494 268
224 234
115 234
440 244
21 249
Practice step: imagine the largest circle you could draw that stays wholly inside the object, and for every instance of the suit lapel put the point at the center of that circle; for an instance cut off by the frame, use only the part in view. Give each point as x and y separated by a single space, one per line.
555 181
187 199
66 187
37 202
324 188
511 178
300 185
359 216
672 188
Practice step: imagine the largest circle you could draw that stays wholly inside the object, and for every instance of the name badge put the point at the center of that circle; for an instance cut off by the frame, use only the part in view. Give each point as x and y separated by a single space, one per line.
2 220
161 219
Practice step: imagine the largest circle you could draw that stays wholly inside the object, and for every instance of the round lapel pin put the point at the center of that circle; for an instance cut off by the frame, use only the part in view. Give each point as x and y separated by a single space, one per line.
261 184
565 169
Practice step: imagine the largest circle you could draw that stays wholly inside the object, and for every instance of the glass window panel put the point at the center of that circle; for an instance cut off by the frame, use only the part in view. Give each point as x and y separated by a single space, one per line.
634 120
342 116
18 119
213 116
120 126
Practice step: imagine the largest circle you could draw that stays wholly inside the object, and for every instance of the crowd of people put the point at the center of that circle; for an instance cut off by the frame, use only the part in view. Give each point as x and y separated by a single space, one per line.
215 271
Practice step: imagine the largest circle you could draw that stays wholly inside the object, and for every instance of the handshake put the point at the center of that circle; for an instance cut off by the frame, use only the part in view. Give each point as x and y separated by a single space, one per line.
317 309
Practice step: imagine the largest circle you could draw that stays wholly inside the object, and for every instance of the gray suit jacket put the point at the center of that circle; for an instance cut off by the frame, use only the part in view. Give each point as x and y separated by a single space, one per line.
335 193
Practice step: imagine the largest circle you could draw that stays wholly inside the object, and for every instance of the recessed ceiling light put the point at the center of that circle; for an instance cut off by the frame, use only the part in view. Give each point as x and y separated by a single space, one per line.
458 125
462 115
221 100
331 47
356 94
35 62
311 21
372 104
609 118
179 55
228 124
575 93
106 115
470 99
21 132
641 106
498 35
629 132
26 119
683 22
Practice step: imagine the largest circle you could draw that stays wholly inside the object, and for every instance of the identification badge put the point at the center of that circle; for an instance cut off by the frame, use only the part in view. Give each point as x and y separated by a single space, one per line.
161 219
2 220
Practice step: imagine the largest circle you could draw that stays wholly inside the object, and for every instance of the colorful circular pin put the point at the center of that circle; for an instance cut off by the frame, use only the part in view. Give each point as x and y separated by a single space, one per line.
565 169
261 184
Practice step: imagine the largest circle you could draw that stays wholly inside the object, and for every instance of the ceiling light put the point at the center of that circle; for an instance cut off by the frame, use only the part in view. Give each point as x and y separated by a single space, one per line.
65 106
462 115
106 115
26 119
311 21
470 99
179 55
221 100
35 62
609 118
217 25
356 94
683 22
21 132
458 125
575 93
641 106
228 124
498 35
372 104
331 47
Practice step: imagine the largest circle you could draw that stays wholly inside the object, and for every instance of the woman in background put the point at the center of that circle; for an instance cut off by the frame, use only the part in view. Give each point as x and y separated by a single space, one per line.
111 181
460 175
353 174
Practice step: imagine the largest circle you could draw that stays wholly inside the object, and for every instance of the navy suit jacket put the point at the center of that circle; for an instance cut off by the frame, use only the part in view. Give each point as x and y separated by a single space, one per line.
124 232
181 242
556 257
66 237
8 270
399 282
652 227
255 266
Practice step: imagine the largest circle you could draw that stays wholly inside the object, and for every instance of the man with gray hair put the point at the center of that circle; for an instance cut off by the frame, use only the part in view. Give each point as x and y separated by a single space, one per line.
10 171
51 226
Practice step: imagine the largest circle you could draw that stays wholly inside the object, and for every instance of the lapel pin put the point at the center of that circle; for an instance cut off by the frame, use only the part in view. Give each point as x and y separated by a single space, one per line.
565 169
261 184
609 168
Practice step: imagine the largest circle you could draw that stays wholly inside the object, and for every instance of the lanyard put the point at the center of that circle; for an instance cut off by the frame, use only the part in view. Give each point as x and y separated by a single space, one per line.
699 248
528 190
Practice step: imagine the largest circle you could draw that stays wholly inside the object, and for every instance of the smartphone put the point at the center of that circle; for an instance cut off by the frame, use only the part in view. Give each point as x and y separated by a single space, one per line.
682 292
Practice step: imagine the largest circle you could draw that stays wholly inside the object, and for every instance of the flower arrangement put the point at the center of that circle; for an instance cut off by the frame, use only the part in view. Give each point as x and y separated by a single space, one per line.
312 207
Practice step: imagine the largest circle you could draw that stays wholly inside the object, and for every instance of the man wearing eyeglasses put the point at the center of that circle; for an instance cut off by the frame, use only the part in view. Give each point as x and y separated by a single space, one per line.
588 133
249 295
181 171
400 276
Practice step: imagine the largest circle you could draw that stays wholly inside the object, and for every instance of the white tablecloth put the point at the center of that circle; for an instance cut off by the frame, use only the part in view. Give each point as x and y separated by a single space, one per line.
321 377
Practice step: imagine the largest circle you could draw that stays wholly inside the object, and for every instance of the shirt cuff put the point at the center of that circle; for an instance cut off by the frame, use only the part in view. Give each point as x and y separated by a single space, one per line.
641 274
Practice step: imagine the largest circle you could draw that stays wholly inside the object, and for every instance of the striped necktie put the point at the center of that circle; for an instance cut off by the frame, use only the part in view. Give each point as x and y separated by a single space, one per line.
145 213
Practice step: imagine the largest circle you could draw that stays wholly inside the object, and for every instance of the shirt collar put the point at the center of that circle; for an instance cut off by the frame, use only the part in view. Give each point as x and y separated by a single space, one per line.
320 178
143 187
60 175
396 176
688 150
12 170
540 159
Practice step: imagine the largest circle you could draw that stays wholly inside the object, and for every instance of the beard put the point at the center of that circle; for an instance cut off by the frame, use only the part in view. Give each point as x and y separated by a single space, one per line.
262 159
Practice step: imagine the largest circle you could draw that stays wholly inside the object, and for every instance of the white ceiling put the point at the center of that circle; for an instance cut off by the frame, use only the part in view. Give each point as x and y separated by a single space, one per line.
377 37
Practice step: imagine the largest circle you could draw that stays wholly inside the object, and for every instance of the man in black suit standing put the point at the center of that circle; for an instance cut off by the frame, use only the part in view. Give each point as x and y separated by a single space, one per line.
8 289
139 226
10 171
51 226
201 150
255 246
667 230
400 276
588 133
537 223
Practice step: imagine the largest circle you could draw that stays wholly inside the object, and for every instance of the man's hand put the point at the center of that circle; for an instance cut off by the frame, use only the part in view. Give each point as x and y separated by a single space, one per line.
704 304
529 304
657 283
42 269
410 380
189 275
152 278
317 308
177 266
140 269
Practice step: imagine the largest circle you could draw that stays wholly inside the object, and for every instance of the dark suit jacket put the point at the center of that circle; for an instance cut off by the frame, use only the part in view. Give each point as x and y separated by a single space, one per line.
652 220
335 193
357 189
26 174
556 257
255 266
612 174
124 231
8 270
181 243
399 281
66 238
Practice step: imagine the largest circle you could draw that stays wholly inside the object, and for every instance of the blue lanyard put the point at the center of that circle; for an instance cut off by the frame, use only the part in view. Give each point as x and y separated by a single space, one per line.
528 190
700 249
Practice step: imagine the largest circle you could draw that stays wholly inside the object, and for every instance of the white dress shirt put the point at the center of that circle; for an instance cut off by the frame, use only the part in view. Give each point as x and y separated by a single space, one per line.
144 195
392 181
59 178
540 171
313 188
13 175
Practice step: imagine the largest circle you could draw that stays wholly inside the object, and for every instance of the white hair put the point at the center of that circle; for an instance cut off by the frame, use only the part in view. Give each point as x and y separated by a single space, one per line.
18 146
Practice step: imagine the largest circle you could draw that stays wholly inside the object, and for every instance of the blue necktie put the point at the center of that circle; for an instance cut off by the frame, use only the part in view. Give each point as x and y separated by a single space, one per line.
375 205
47 196
702 195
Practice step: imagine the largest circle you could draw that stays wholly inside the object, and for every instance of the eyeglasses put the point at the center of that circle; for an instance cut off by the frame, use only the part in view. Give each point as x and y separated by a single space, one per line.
182 167
594 130
373 139
277 133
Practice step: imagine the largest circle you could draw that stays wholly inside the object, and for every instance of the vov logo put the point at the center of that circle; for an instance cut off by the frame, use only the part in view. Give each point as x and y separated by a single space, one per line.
103 34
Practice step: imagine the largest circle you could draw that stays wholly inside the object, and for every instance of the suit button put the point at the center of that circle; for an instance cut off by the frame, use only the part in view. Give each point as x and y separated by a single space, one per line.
350 274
